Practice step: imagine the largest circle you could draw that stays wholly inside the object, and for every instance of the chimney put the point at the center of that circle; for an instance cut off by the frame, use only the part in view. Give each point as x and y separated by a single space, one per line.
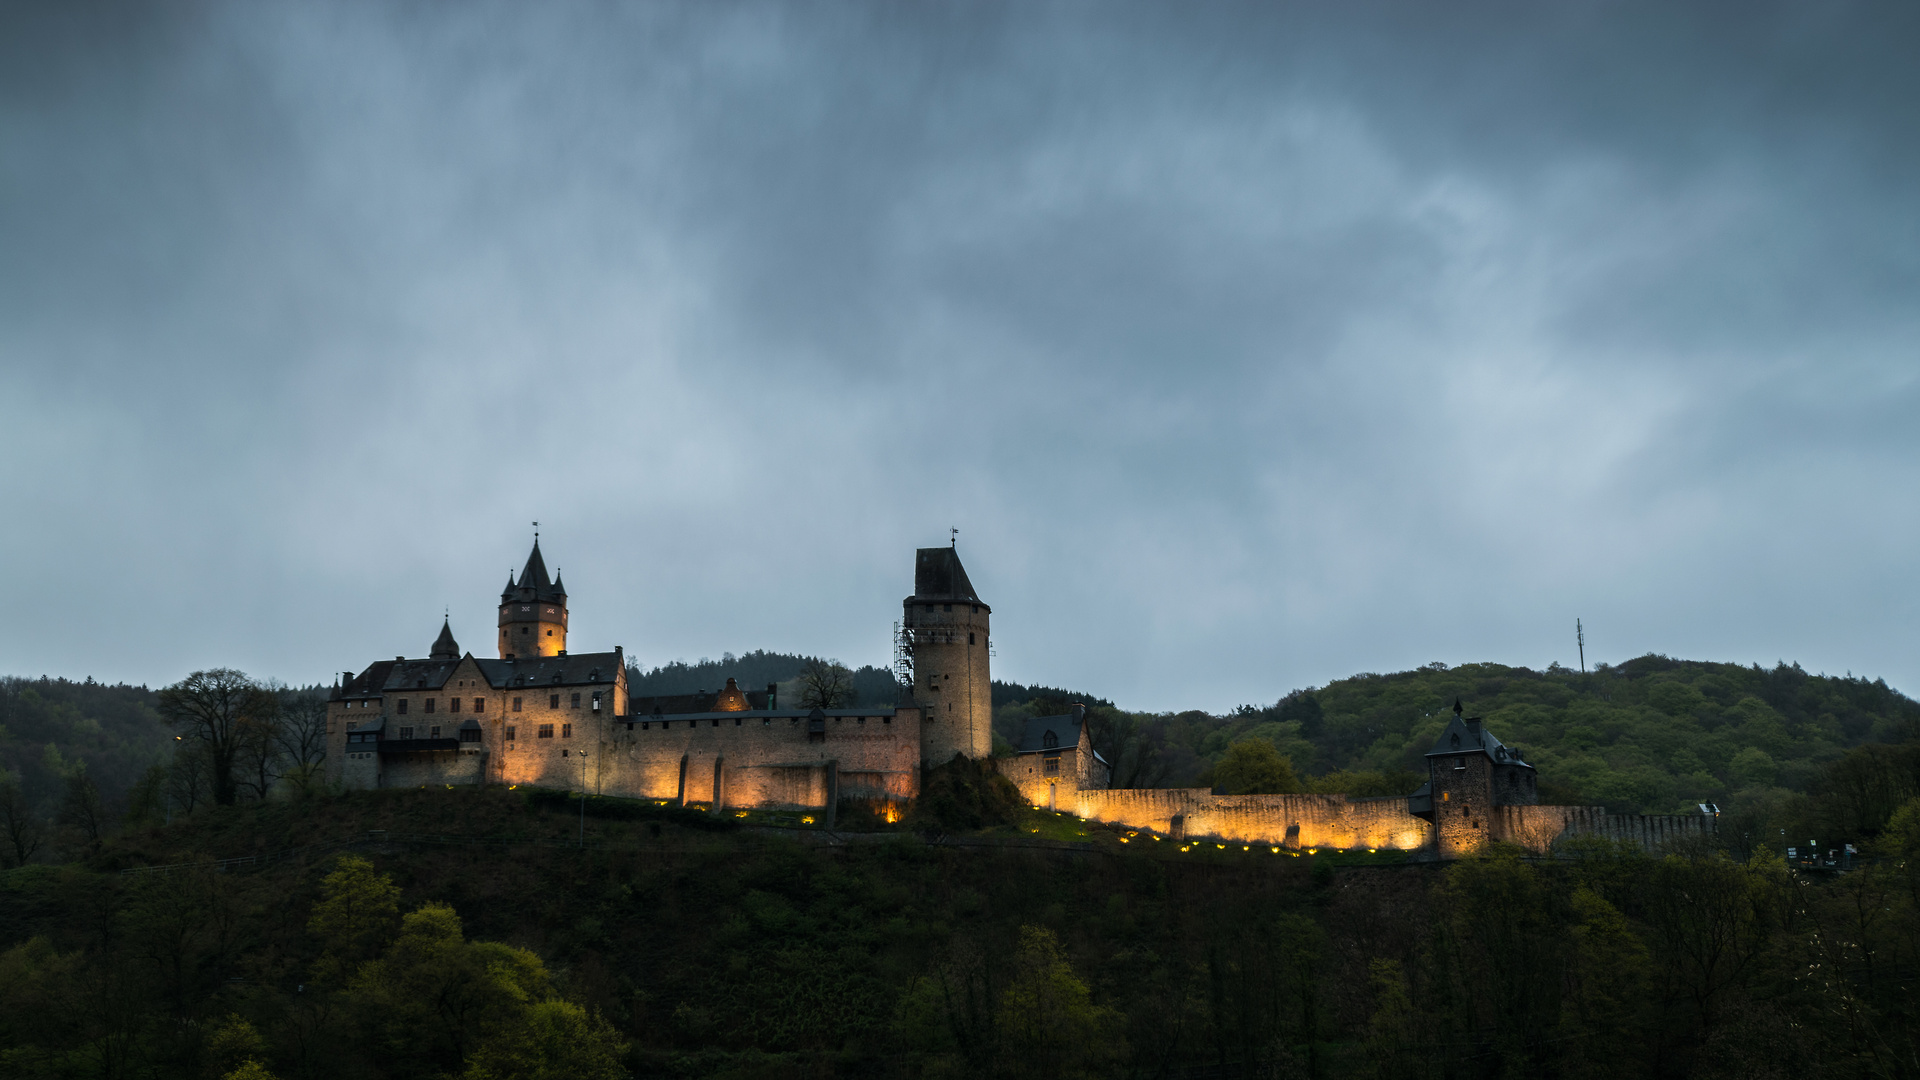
773 696
1079 712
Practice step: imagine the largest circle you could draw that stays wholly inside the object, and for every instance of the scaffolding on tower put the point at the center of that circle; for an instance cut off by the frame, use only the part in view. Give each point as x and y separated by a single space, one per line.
903 655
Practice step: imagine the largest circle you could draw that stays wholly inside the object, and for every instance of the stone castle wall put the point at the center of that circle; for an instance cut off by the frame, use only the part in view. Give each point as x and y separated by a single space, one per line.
1296 821
758 759
1336 821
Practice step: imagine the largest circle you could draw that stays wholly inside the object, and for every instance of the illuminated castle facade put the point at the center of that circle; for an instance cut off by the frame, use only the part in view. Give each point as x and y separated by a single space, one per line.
539 713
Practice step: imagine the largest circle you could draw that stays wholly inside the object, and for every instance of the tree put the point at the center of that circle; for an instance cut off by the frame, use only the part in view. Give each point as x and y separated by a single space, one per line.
24 830
219 709
302 737
147 798
188 776
1255 767
1047 1018
554 1040
80 804
825 684
356 914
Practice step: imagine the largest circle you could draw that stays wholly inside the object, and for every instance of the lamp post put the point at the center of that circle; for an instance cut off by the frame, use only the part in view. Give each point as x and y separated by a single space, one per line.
583 799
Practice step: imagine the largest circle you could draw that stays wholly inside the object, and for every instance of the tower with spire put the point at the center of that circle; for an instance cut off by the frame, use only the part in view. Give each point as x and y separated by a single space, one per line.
945 635
533 612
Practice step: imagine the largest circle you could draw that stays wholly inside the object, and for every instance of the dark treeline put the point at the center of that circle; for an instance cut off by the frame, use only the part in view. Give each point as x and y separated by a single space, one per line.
681 952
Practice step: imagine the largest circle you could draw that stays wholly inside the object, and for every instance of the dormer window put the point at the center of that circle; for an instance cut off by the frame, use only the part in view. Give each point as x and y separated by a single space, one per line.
1050 740
1456 740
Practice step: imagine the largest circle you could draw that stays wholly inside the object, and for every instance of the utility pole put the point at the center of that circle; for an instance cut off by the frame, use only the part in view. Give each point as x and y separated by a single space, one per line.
1580 638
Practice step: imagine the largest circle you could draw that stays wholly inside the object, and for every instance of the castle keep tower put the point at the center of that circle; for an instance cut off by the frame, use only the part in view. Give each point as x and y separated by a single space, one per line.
533 614
945 635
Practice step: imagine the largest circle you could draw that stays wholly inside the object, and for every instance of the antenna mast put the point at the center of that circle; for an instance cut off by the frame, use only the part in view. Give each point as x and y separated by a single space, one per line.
1580 638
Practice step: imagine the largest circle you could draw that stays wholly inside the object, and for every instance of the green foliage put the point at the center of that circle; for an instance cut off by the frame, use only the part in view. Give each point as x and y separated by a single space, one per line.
1046 1017
236 1047
355 916
696 954
1253 766
964 795
551 1040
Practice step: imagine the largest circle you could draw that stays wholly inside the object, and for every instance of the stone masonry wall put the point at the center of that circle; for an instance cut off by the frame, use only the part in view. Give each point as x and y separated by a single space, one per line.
1297 821
764 760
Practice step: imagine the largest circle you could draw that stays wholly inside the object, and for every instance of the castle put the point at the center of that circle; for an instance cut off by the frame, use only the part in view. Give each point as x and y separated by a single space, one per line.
539 714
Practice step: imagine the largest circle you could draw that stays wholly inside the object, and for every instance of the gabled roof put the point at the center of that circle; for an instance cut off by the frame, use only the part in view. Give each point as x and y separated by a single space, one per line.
707 701
1045 734
1469 735
938 575
576 669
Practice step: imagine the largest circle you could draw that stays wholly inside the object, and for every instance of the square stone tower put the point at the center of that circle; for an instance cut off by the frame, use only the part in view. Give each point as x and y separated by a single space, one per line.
1469 772
945 634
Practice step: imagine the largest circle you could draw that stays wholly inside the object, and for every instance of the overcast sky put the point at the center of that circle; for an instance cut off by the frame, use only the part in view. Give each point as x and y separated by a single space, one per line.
1247 347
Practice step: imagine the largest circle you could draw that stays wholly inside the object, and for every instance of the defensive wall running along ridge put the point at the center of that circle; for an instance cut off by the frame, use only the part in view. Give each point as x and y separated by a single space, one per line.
538 714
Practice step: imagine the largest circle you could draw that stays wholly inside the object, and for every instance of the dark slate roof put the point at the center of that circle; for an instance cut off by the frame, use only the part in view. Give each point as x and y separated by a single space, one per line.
534 581
575 669
938 575
1469 735
444 647
1065 730
419 674
367 684
682 704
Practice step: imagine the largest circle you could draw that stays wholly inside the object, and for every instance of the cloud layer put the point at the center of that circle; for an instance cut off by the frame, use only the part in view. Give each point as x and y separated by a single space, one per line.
1247 347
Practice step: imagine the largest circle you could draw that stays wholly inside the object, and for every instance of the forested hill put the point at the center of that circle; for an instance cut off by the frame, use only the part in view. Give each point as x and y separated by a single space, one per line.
1650 735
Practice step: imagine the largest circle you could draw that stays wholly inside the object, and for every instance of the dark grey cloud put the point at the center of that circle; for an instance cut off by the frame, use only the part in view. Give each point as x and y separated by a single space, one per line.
1248 346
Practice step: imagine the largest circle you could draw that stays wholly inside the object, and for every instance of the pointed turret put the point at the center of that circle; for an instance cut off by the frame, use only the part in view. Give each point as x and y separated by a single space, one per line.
444 647
533 612
535 574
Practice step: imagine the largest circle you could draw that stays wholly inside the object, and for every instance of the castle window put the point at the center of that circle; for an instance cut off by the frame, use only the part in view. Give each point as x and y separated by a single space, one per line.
575 703
516 704
929 608
403 707
433 732
510 732
1051 765
969 639
429 707
469 735
526 629
886 719
566 731
546 731
549 633
406 733
453 704
553 701
1049 740
479 704
948 607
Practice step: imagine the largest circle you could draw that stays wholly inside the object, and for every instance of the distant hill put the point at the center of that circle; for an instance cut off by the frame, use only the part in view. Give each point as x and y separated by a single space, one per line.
1653 734
1650 735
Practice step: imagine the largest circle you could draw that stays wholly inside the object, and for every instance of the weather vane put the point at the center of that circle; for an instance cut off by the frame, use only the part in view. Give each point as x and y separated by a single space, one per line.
954 541
536 530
